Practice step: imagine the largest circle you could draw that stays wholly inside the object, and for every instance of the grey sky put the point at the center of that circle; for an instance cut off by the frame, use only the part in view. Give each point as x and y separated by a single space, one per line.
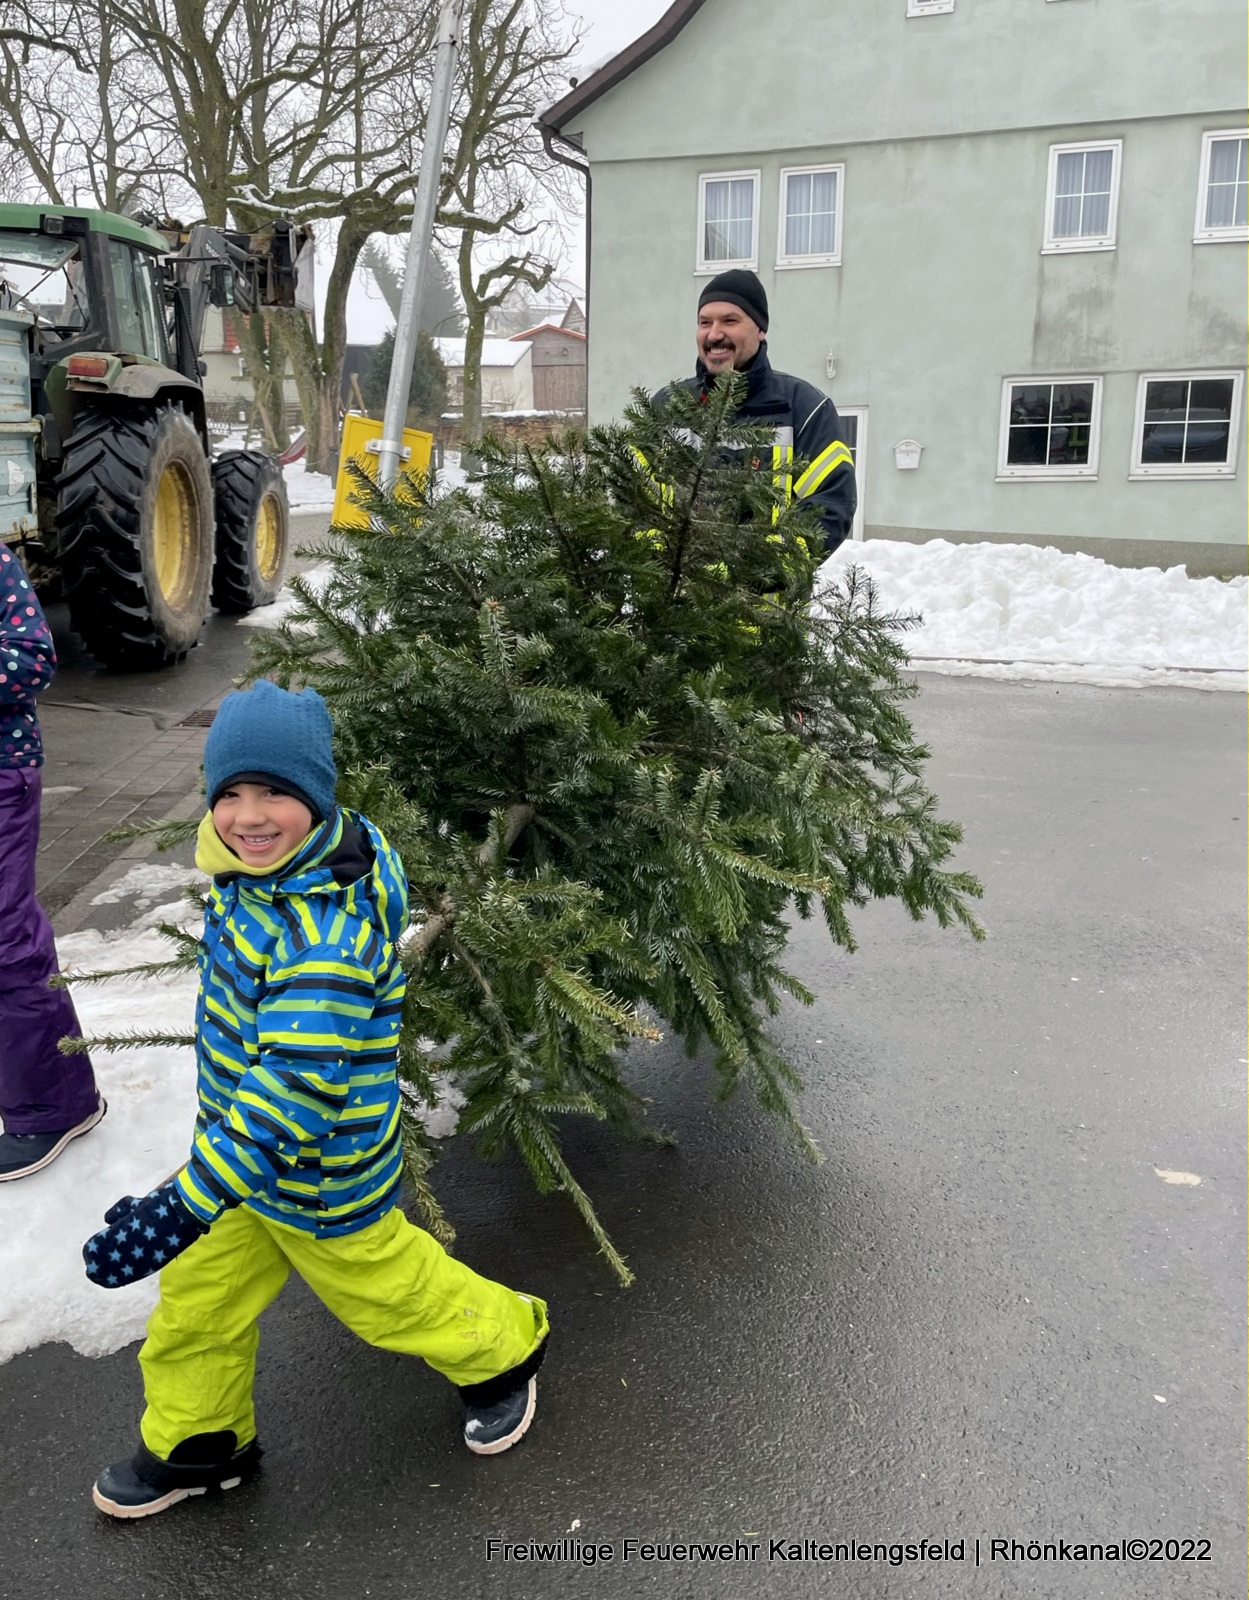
611 24
608 26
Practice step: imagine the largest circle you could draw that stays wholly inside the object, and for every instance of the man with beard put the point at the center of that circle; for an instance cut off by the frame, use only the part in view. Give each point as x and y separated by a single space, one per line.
732 335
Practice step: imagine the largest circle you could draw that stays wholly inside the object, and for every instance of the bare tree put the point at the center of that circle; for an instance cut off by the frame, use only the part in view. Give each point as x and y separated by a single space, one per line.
313 109
74 118
500 185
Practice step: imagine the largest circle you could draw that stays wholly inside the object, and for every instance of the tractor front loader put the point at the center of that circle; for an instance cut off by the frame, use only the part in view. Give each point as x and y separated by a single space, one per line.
114 497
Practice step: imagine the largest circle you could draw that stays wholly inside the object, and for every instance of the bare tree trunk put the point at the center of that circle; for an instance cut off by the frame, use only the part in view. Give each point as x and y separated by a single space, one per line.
320 416
470 422
319 372
265 357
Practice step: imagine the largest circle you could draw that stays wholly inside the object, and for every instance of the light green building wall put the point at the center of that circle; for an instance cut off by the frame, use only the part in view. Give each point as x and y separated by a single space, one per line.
944 124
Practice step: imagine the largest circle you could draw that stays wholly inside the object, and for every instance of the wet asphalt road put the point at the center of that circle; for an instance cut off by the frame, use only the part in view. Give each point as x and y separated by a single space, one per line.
985 1316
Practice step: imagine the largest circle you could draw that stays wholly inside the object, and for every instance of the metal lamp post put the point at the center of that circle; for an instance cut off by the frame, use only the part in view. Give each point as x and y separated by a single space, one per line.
390 445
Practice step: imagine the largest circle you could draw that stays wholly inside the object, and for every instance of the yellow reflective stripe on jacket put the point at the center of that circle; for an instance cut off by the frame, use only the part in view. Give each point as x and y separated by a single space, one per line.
782 474
667 495
825 464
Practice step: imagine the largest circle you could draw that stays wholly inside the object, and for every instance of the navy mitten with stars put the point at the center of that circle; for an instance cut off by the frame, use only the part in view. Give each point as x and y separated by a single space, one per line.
142 1236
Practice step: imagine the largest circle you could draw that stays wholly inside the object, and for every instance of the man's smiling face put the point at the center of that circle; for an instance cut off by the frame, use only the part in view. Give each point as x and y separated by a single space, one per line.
727 337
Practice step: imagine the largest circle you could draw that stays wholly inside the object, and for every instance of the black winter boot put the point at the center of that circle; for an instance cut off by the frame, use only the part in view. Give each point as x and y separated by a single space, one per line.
145 1484
497 1413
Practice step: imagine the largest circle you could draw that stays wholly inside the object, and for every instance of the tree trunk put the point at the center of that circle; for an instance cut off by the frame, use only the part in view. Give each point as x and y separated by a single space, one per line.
319 373
474 334
470 423
265 358
297 337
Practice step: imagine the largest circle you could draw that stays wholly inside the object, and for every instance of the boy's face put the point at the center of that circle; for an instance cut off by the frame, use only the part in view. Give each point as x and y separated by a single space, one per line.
260 824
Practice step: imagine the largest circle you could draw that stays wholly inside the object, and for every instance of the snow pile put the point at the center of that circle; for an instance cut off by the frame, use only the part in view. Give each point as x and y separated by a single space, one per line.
451 475
308 491
46 1219
1021 611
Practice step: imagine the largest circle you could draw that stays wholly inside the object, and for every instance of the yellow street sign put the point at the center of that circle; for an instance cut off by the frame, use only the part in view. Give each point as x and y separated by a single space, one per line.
360 438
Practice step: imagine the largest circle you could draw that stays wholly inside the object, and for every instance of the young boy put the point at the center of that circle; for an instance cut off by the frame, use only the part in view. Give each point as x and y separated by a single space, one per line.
296 1158
46 1099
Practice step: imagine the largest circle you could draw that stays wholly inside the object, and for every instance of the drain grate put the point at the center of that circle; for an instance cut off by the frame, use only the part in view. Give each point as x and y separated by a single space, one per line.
197 719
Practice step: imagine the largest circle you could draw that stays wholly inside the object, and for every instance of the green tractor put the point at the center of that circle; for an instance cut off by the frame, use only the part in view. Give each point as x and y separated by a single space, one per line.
108 484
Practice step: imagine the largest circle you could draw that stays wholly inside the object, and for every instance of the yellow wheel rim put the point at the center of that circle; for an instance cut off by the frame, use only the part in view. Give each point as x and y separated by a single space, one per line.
269 538
175 535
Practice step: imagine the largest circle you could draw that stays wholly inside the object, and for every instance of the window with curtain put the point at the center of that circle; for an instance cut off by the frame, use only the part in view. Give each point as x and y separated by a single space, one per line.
728 219
810 216
1083 196
1049 427
1223 200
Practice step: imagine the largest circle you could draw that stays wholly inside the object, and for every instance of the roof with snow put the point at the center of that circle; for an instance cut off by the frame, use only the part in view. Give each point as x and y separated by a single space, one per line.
494 352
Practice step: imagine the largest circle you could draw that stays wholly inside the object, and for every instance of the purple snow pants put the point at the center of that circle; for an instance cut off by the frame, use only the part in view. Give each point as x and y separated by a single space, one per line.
41 1091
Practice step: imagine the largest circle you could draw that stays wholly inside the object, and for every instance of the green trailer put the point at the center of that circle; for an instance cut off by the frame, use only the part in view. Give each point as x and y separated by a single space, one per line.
108 484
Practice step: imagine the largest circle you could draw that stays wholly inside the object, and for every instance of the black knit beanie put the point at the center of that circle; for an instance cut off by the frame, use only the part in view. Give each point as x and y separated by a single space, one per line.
741 289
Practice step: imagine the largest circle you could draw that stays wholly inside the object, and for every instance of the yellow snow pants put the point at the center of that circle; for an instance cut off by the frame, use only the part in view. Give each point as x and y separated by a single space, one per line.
391 1283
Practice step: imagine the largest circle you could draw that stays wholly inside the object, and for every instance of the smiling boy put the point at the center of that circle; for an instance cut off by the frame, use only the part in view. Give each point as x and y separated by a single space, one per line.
296 1158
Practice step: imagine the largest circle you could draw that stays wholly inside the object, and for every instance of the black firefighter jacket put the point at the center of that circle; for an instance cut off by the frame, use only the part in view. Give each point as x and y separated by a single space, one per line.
805 428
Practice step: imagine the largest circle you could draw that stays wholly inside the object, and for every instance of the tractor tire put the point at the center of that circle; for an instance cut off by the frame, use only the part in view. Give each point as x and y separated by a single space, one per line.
134 517
253 530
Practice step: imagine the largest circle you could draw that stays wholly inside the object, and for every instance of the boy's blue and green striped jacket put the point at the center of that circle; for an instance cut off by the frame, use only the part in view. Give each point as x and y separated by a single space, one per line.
297 1034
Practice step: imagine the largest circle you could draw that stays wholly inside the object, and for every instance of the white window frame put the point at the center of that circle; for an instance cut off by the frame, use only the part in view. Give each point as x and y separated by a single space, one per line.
1106 241
710 268
860 413
1010 472
928 8
786 263
1141 472
1202 234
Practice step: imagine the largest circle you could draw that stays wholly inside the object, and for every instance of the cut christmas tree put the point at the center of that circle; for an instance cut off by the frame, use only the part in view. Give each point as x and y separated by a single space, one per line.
619 746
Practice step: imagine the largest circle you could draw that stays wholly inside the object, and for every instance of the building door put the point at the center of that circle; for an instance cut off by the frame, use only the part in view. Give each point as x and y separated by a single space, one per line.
854 432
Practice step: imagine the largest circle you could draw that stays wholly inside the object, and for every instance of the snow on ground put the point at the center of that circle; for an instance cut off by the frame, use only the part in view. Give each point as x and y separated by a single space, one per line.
1025 612
269 616
1017 611
308 491
46 1219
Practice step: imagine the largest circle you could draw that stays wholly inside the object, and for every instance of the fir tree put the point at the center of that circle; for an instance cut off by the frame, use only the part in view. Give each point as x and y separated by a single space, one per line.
427 392
618 746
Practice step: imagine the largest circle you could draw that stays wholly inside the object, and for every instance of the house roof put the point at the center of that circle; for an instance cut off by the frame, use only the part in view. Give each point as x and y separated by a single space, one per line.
548 327
620 66
494 352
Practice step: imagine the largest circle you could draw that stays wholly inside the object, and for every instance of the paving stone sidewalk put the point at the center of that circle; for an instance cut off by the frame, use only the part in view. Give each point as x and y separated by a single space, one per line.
146 784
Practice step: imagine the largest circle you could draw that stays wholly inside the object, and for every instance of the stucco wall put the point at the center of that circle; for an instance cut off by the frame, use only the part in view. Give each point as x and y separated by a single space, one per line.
861 69
943 289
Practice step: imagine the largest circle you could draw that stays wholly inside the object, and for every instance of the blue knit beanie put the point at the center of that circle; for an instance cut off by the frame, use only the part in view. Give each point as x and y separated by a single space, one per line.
266 733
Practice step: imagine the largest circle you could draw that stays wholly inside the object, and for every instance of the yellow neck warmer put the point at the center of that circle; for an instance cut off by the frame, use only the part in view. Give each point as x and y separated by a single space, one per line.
213 855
